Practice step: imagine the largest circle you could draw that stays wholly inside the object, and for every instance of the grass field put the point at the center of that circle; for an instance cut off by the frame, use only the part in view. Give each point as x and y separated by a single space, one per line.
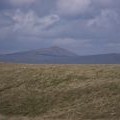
59 92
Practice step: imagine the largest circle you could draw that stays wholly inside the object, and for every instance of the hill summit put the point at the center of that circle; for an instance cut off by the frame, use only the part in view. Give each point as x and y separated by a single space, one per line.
55 51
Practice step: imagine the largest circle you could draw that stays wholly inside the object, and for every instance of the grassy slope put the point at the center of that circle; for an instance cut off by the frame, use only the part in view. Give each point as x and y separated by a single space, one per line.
59 92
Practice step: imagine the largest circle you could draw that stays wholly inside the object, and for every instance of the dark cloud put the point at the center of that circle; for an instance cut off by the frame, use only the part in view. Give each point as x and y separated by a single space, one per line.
86 26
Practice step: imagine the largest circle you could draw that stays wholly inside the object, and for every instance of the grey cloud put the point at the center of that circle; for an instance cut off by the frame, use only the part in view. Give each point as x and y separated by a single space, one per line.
106 20
5 3
85 7
106 25
81 25
21 2
72 7
74 44
29 23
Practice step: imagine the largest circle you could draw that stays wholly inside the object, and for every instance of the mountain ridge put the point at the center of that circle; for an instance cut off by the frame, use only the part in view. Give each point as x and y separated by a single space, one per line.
51 51
58 55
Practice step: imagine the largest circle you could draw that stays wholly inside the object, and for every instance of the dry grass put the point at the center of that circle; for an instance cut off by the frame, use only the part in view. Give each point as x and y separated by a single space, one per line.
59 92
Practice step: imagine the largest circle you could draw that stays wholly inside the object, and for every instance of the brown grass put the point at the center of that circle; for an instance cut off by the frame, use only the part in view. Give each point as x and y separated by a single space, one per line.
59 92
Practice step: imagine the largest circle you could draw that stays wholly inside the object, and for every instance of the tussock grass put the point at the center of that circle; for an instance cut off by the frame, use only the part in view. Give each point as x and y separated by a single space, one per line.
59 92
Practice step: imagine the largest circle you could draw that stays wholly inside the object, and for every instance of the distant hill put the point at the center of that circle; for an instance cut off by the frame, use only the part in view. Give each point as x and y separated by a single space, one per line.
57 55
53 51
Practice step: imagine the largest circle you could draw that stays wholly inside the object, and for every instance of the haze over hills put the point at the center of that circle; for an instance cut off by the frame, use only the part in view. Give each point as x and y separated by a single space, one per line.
53 51
58 55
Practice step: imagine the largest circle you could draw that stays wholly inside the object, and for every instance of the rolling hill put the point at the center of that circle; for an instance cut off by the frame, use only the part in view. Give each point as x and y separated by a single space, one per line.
57 55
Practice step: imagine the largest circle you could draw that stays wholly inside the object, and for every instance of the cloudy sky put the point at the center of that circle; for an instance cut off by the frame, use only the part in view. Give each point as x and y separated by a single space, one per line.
83 26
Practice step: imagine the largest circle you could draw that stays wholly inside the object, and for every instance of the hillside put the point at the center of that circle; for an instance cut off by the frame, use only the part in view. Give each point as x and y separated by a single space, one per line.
52 55
59 92
57 55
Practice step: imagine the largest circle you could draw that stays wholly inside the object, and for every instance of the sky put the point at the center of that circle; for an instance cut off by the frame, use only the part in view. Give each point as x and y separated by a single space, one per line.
83 26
